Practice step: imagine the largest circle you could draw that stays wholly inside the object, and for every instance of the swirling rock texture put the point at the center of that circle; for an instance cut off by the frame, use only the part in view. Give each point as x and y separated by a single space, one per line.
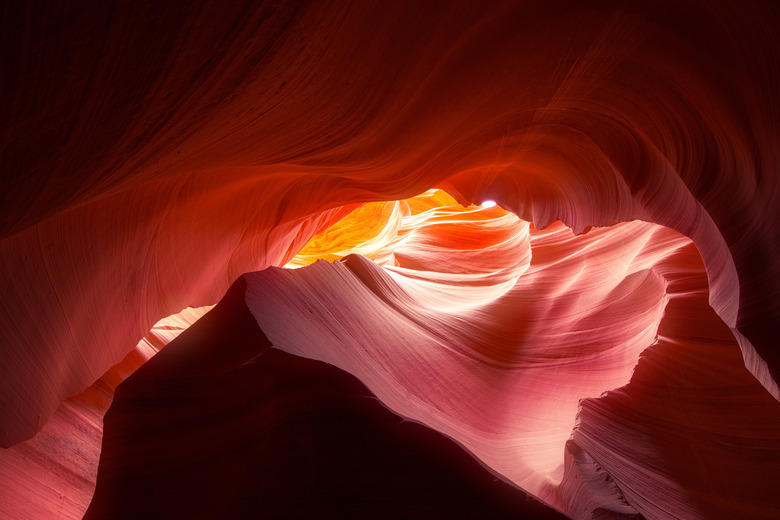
607 344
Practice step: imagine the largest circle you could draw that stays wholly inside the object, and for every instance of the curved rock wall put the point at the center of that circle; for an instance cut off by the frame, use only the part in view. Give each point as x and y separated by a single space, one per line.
152 154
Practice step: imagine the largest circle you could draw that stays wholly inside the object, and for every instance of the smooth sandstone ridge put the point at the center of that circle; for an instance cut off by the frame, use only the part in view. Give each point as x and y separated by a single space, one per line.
605 339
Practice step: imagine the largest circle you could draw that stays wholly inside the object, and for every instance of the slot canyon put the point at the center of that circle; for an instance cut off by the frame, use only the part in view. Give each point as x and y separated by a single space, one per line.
390 259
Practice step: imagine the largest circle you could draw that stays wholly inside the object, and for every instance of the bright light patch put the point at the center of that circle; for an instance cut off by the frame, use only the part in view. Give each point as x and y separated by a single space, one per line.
376 229
488 203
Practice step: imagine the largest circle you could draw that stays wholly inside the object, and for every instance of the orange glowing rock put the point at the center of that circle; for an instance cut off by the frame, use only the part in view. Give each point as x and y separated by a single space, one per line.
365 231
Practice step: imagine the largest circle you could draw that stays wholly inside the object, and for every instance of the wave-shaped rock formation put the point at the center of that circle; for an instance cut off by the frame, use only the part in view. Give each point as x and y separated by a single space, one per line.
604 341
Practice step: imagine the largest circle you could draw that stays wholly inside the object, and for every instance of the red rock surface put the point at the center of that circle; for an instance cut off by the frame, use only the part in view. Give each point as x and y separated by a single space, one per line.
152 154
505 375
53 474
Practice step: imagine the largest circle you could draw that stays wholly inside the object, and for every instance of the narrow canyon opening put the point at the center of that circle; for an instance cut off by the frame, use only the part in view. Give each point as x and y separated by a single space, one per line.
492 331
